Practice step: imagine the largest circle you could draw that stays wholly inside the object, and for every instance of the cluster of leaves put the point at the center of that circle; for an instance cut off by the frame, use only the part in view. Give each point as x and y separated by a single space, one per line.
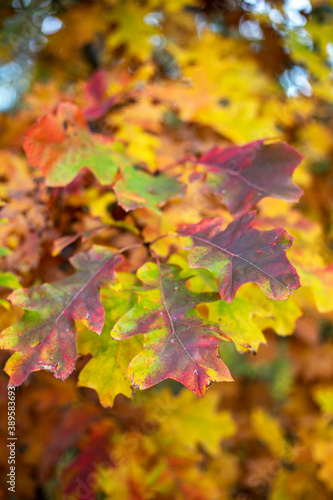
130 223
178 342
171 444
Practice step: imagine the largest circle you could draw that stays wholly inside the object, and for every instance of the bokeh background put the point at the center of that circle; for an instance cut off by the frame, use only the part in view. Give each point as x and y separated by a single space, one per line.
172 78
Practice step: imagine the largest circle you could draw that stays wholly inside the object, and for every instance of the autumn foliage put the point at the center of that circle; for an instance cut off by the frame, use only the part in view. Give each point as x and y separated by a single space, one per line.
166 193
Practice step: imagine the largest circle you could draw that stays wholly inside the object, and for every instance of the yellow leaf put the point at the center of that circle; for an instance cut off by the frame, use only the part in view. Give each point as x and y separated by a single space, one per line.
269 431
190 419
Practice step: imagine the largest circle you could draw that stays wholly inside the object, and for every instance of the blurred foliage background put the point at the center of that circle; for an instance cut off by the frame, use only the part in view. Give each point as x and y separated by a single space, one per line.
172 78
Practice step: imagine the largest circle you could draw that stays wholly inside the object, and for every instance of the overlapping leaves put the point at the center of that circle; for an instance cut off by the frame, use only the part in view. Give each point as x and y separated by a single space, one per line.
246 174
242 254
179 343
45 338
106 371
139 189
60 145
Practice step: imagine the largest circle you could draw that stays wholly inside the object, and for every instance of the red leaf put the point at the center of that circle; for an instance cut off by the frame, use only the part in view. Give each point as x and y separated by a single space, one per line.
46 335
242 254
94 449
179 343
243 175
46 141
67 430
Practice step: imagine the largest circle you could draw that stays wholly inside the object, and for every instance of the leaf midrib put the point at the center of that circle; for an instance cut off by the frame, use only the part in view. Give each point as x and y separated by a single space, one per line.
169 316
36 351
239 257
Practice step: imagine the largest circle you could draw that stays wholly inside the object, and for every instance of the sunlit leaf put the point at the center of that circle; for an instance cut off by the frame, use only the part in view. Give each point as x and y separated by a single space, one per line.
106 371
139 189
244 175
45 338
242 254
179 344
60 145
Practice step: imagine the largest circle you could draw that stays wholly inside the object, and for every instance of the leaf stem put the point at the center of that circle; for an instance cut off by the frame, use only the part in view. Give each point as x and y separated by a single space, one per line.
129 247
160 237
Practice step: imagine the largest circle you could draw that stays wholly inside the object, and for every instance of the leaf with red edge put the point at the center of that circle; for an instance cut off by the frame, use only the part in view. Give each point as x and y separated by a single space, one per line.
244 175
45 338
60 145
179 343
242 254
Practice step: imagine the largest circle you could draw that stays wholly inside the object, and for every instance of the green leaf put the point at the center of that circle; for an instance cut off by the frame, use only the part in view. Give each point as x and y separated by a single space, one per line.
9 280
139 189
251 312
4 252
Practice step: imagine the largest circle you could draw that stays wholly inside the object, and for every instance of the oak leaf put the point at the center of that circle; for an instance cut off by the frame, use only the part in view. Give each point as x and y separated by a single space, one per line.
60 145
179 343
250 313
243 175
106 371
45 338
138 189
174 415
242 254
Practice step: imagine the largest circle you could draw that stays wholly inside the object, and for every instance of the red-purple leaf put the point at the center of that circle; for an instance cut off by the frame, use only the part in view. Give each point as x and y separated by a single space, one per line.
242 254
98 103
243 175
179 343
94 450
45 338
